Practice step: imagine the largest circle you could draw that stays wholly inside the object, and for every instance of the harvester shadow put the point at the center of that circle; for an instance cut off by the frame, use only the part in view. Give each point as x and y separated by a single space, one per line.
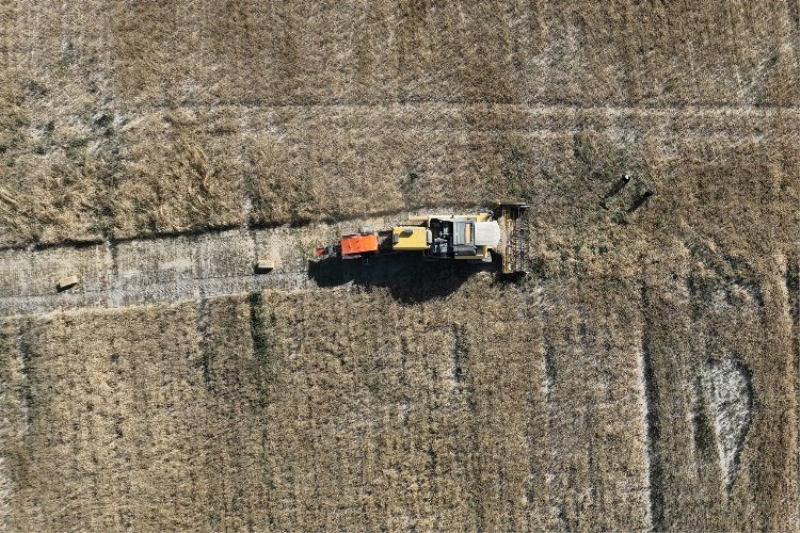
409 278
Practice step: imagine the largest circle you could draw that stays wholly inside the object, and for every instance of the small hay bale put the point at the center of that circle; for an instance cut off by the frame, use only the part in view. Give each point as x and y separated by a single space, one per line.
264 266
66 283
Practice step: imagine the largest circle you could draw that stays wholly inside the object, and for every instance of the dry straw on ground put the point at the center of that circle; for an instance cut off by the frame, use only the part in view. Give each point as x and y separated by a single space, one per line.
175 117
564 404
306 414
576 400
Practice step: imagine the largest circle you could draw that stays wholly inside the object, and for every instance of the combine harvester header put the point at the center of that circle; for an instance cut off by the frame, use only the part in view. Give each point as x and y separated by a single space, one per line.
473 238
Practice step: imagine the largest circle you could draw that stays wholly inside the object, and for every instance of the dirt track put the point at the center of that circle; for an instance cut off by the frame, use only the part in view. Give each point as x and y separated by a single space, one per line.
166 269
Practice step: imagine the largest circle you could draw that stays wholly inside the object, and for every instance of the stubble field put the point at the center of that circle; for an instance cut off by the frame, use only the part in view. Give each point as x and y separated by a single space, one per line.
644 376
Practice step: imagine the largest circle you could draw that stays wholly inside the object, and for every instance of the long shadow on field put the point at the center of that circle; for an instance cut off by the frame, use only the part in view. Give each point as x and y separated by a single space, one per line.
409 278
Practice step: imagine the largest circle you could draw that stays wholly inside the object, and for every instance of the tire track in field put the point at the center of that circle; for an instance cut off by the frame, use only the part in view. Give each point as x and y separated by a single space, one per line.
652 424
437 116
683 107
793 9
147 271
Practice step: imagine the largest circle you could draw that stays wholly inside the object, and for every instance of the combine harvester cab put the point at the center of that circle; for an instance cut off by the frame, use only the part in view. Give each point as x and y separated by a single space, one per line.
473 238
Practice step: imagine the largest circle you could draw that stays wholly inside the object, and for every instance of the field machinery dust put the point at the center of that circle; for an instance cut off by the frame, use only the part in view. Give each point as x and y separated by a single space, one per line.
473 238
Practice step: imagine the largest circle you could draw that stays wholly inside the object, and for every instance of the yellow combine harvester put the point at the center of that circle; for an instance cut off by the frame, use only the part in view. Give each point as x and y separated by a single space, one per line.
472 238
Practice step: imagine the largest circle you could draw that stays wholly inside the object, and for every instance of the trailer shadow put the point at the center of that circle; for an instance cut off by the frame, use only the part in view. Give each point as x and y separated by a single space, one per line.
409 278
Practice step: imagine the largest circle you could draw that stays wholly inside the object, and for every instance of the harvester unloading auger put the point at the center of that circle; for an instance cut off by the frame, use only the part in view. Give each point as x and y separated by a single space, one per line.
473 238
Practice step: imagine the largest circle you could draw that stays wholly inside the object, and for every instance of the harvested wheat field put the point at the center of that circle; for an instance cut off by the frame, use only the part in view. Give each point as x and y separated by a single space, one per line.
644 376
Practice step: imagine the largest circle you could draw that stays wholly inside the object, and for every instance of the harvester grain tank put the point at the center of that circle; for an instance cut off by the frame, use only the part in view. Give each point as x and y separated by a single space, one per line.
473 238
